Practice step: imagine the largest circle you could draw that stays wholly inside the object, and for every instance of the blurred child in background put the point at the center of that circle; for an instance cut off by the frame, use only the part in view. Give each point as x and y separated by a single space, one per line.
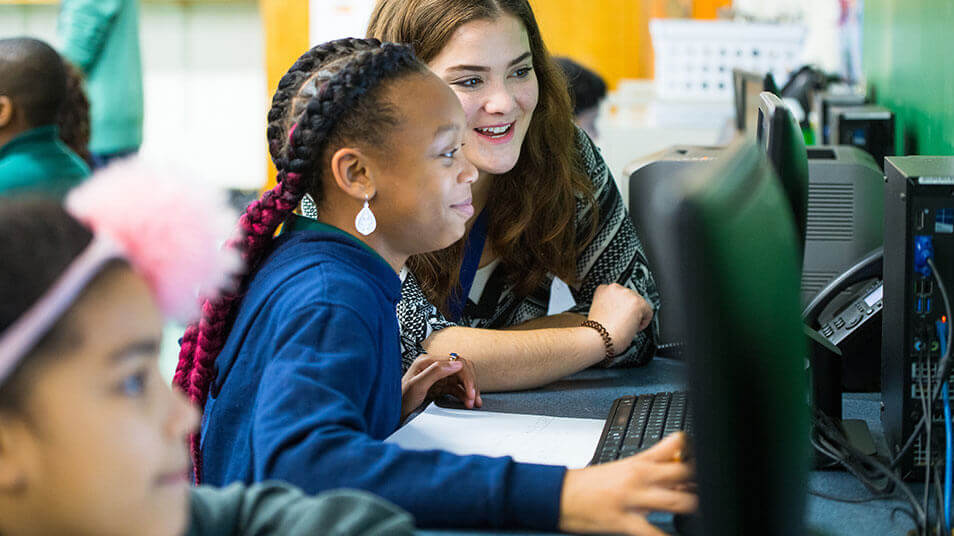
92 441
587 89
32 91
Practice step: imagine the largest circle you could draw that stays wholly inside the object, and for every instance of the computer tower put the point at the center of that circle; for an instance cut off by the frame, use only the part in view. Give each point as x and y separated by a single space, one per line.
919 207
825 101
845 204
868 127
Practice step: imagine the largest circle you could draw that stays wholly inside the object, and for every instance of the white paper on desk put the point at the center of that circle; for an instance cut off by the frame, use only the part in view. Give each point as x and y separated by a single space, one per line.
527 438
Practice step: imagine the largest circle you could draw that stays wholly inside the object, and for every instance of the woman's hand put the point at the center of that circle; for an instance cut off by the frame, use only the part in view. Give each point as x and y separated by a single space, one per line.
615 497
430 377
623 312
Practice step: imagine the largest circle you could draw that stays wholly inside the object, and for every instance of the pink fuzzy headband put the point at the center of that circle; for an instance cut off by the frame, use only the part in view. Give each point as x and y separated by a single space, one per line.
170 231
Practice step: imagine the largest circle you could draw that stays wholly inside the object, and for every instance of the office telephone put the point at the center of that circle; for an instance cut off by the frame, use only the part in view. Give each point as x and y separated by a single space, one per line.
855 325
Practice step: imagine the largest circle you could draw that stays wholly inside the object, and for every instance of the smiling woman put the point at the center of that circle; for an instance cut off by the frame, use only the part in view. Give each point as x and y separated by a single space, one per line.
547 208
499 117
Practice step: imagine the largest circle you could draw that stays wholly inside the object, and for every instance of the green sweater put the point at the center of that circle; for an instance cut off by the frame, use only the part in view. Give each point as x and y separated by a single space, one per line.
37 162
277 508
101 37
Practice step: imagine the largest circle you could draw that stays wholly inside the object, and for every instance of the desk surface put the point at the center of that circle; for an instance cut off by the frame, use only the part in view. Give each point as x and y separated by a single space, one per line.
589 394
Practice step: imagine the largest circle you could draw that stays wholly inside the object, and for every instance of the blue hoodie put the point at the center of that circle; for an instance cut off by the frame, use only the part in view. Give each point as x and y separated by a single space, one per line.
309 384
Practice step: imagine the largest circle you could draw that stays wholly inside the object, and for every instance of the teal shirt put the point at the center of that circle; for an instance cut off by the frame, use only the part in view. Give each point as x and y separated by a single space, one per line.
101 37
37 162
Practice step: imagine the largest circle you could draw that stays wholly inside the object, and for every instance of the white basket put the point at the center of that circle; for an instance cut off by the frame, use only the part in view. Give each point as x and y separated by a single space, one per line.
695 58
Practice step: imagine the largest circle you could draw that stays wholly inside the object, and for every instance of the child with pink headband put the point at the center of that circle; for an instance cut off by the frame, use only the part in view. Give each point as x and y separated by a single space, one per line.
92 440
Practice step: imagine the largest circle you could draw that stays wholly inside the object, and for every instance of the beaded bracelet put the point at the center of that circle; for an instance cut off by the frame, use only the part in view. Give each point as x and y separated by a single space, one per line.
607 340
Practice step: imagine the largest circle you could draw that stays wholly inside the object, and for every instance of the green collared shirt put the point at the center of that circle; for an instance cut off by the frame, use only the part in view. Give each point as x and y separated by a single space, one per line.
37 162
297 222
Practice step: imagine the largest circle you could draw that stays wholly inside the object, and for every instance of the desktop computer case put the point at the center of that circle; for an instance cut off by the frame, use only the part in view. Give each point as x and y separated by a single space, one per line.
867 127
919 201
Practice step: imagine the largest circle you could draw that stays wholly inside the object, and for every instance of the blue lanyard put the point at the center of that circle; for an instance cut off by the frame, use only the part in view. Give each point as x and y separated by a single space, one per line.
468 271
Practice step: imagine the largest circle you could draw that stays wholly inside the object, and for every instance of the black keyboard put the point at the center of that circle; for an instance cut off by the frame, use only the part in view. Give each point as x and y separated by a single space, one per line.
636 423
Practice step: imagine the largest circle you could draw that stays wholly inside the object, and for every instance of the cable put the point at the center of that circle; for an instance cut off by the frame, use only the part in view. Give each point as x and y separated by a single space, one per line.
944 364
927 395
851 500
949 439
904 488
832 442
939 522
949 456
922 389
897 509
852 464
828 438
928 459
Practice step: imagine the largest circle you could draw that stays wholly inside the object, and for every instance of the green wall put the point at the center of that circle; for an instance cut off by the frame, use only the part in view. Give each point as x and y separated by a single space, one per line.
908 58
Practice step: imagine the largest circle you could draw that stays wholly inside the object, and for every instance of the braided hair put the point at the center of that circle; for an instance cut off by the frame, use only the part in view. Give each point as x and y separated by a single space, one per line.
332 95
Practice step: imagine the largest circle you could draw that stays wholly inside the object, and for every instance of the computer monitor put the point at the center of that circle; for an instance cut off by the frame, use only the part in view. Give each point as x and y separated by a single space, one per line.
781 138
728 262
747 86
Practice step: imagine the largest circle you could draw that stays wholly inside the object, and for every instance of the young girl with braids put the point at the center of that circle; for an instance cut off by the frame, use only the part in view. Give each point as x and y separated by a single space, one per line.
299 371
92 440
546 204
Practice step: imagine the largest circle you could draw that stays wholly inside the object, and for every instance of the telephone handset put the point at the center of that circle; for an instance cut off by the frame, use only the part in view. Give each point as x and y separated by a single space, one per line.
856 327
869 267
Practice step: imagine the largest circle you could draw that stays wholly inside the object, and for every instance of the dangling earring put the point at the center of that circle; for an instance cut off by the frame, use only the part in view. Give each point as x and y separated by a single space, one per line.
365 222
308 207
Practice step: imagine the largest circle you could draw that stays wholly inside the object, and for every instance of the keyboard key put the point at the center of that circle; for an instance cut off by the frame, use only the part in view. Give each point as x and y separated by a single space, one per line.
637 423
677 410
614 434
657 420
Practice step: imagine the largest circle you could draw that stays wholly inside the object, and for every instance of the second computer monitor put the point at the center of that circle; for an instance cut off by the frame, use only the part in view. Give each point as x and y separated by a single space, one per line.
747 86
780 136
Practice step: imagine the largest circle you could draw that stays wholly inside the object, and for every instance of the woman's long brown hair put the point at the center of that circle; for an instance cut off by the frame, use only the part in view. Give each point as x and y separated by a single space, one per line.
533 207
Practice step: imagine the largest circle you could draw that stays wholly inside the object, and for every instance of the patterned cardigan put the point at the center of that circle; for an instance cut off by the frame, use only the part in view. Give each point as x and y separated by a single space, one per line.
614 255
